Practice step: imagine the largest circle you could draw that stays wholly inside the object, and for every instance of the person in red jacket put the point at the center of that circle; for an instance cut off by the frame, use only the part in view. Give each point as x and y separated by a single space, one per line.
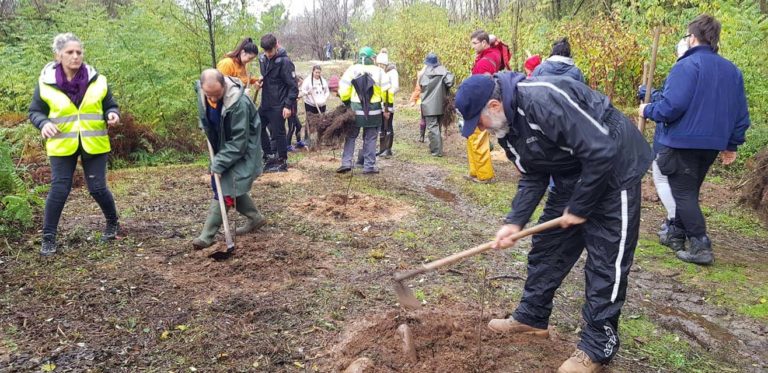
488 60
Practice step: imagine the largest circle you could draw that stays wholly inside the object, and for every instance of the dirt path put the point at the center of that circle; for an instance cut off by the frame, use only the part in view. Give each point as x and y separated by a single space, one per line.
311 291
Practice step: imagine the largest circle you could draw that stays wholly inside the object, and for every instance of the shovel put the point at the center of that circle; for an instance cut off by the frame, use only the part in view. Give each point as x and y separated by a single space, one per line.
221 255
405 295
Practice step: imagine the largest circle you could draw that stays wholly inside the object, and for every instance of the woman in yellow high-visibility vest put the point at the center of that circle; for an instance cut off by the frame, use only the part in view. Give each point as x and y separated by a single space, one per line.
72 106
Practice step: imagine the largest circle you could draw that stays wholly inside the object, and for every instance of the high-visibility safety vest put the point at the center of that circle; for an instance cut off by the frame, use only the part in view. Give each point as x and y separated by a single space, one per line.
84 125
380 88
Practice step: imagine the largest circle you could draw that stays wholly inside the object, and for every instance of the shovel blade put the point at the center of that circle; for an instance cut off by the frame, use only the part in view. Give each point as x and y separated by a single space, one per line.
405 297
221 256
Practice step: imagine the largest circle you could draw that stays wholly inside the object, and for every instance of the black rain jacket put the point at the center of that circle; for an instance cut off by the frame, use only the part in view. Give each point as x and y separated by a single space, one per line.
279 89
559 126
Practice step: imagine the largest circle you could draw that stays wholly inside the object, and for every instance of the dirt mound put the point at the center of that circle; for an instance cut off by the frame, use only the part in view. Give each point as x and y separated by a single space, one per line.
755 192
445 341
293 176
335 208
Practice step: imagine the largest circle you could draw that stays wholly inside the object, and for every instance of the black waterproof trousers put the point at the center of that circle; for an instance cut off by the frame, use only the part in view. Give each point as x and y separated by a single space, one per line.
610 236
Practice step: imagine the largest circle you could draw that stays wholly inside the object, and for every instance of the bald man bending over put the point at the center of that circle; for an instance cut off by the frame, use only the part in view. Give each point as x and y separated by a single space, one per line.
231 123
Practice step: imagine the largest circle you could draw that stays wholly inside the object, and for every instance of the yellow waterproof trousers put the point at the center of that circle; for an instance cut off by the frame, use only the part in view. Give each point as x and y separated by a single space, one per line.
479 155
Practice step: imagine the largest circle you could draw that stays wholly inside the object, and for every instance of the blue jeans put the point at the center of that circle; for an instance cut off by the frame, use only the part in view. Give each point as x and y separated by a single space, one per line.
62 170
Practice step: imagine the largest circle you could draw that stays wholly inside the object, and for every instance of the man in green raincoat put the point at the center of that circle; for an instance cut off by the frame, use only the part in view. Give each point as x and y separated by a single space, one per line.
231 123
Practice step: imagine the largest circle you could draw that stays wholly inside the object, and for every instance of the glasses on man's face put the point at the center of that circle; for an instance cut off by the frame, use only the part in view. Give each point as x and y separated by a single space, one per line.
686 36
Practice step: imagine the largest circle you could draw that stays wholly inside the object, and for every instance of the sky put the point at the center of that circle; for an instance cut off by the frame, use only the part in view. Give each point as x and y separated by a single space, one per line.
297 7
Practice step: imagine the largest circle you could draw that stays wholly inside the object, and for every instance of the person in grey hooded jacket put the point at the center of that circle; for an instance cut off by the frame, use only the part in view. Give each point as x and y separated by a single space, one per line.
560 63
435 83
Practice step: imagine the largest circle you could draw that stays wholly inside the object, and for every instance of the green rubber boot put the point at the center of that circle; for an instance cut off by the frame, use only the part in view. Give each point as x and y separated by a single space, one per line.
212 224
246 207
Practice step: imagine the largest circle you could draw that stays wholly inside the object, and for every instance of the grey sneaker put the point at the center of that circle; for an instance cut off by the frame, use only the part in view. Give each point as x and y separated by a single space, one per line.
49 245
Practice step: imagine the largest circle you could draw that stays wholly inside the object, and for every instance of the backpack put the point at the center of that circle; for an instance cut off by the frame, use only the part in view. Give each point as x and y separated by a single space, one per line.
505 54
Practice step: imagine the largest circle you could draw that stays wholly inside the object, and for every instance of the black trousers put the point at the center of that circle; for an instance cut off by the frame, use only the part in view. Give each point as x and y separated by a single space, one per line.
610 236
272 119
686 169
387 132
62 170
314 110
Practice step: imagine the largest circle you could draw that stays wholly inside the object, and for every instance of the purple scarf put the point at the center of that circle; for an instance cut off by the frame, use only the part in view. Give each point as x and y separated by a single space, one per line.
74 89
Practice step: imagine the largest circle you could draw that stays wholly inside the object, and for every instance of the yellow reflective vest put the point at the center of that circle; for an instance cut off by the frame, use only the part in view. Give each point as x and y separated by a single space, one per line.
380 78
84 125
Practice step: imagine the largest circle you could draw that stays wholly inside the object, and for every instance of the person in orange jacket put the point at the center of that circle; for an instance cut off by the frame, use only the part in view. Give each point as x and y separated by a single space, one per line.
235 64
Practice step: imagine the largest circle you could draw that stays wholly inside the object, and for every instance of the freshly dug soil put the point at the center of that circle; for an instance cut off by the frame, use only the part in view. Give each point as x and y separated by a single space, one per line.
452 340
334 208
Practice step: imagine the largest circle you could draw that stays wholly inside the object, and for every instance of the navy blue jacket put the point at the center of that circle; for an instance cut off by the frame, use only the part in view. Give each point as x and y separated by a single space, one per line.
559 66
561 128
704 104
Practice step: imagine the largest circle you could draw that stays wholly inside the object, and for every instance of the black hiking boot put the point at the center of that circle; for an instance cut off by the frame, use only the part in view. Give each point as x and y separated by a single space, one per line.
673 238
49 245
110 231
700 252
343 169
280 165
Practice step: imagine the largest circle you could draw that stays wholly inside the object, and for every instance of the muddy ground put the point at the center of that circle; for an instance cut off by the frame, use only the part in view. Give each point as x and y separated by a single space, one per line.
311 291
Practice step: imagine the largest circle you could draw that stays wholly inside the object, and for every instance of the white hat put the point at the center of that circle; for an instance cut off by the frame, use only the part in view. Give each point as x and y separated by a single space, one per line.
382 58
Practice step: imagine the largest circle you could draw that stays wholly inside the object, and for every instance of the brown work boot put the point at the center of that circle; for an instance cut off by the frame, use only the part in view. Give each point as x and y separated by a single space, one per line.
512 326
579 362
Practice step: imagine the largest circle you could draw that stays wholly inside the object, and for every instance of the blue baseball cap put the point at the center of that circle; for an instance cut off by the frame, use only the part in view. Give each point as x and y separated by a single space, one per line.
431 59
474 93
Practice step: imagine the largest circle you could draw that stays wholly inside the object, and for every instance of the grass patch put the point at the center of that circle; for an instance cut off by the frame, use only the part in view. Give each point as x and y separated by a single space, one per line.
735 286
735 220
663 349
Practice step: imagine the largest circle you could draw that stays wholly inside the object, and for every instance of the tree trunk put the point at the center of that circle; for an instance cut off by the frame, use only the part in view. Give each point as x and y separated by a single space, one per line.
764 6
210 23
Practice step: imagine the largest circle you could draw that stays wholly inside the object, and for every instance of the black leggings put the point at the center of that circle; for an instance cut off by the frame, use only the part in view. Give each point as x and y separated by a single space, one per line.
294 126
62 170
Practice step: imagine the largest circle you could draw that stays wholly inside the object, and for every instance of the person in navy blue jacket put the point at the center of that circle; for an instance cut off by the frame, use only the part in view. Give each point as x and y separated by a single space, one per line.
704 107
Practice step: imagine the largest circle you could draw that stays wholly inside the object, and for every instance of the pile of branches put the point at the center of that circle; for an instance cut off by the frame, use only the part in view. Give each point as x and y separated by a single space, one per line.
331 128
449 113
755 191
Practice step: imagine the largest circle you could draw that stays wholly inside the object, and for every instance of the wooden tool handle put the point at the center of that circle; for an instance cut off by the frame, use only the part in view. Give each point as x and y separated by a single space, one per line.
477 250
222 205
651 70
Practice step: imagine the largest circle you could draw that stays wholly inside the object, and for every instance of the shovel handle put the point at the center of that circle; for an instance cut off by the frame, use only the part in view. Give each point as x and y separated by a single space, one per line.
222 205
476 250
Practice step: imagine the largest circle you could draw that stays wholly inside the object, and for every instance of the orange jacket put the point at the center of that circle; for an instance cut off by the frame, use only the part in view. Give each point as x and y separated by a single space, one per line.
229 67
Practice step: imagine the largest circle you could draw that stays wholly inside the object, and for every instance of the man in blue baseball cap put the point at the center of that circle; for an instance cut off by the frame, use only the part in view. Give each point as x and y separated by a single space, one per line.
560 128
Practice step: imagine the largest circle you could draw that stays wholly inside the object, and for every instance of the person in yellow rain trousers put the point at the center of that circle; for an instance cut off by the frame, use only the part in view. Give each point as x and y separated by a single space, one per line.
362 88
487 61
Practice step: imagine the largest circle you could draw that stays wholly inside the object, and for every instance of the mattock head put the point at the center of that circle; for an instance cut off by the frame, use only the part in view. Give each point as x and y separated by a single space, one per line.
405 296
